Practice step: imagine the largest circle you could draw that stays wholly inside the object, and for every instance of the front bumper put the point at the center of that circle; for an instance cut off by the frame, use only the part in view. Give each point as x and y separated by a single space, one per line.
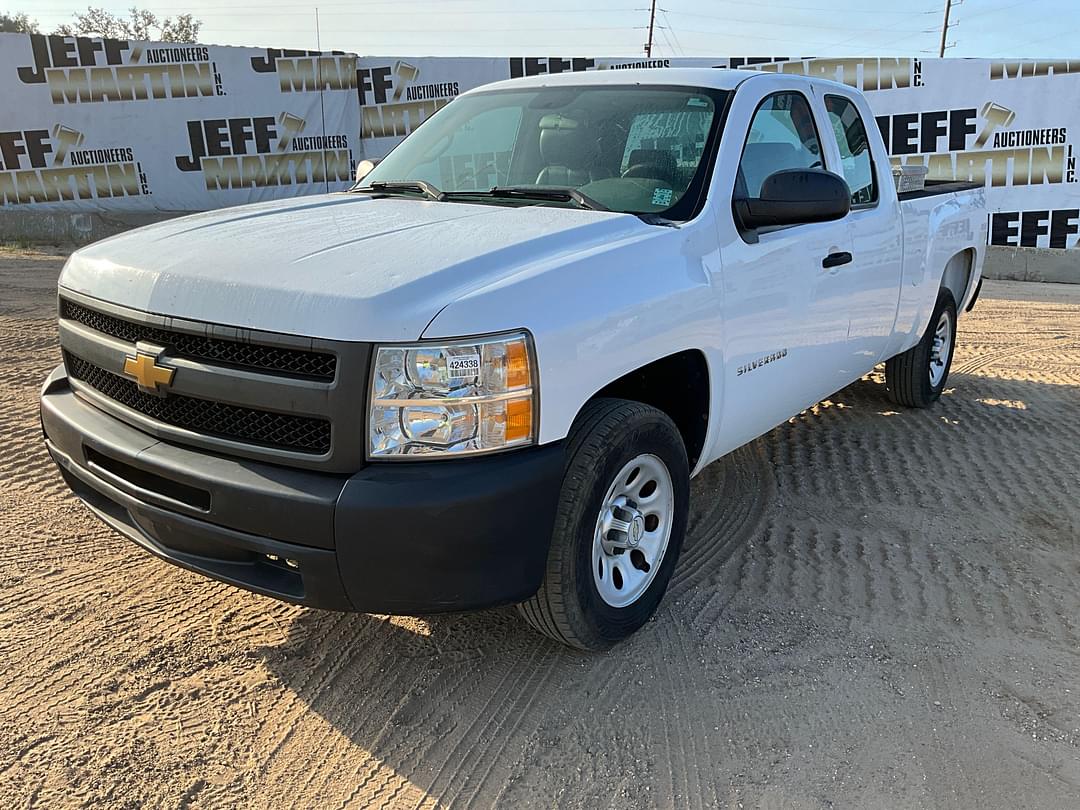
406 538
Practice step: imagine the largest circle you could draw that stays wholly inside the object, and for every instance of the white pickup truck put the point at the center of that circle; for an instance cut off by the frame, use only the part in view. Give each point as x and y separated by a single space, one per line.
487 373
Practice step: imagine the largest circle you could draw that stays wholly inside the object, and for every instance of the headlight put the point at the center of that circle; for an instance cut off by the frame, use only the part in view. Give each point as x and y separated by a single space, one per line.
452 398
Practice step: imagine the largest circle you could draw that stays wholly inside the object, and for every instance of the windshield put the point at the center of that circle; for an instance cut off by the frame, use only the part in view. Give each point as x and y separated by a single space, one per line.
635 149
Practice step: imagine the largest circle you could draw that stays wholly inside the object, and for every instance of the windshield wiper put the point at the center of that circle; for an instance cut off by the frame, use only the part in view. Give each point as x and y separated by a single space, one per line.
396 187
552 194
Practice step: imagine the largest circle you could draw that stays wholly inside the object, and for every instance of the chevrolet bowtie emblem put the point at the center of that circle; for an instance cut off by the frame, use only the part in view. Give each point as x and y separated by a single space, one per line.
143 368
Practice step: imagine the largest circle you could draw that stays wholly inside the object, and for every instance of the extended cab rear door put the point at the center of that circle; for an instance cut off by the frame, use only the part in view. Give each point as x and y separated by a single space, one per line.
872 278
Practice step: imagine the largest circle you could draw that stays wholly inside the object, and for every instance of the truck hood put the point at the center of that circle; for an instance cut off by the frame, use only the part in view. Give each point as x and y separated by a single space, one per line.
340 266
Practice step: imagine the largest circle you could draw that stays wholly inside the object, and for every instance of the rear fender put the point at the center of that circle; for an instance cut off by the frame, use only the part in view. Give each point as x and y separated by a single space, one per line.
951 230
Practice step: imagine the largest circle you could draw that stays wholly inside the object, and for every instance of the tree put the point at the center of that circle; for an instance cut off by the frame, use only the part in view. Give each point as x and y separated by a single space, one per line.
17 24
139 24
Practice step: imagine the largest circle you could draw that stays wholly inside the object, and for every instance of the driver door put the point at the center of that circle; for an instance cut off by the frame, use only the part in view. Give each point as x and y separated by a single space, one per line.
785 314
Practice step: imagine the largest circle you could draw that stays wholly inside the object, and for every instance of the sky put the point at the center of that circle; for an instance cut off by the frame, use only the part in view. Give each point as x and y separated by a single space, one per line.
988 28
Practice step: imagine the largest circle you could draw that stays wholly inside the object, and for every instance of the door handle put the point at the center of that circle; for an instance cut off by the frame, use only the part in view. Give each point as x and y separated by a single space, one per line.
836 259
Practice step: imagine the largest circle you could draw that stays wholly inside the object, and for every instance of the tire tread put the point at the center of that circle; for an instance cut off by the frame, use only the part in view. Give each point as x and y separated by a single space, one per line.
589 438
906 380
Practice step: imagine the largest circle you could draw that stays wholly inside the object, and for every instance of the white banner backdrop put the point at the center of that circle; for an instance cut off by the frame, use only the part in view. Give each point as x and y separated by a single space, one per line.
107 125
113 125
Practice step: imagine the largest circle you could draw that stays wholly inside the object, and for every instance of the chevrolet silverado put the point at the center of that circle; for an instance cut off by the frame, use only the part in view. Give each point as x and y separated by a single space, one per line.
486 374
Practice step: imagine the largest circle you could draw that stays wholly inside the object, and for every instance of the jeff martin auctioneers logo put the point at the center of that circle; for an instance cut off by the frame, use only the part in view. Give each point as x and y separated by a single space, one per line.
981 145
81 69
394 102
39 165
868 74
304 71
1032 68
258 151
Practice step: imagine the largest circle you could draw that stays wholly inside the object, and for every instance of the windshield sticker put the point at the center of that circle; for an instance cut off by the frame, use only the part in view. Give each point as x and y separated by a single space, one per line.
463 365
662 196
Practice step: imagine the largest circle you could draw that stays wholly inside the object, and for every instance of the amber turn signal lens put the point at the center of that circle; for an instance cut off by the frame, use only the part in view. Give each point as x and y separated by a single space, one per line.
518 419
517 365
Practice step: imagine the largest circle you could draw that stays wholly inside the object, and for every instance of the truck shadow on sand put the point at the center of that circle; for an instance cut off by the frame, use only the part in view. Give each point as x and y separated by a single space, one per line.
818 558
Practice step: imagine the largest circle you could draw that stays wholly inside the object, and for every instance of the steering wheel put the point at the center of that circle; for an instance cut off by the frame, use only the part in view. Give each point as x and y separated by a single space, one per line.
643 170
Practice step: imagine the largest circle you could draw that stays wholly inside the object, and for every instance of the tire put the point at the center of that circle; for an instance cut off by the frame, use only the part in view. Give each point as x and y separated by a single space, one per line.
910 378
610 437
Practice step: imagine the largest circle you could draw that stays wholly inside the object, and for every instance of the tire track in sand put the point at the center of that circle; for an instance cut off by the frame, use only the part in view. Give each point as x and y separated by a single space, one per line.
755 684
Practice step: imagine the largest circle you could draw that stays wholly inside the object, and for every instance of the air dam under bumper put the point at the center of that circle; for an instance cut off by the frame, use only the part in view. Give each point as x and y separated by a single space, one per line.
406 538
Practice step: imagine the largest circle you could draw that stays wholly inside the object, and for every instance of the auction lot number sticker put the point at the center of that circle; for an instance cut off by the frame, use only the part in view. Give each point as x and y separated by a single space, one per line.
463 365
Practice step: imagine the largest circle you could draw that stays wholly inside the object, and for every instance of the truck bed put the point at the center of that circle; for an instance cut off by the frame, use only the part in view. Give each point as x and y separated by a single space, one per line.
944 241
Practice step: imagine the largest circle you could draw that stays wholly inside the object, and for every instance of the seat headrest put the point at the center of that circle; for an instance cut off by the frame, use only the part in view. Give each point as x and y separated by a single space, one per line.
761 159
564 142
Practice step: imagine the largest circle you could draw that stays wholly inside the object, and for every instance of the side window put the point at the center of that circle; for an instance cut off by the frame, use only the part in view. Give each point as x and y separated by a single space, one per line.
478 157
856 163
782 136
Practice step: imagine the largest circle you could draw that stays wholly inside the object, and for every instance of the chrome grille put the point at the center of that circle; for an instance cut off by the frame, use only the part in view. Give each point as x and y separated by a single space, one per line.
248 425
277 360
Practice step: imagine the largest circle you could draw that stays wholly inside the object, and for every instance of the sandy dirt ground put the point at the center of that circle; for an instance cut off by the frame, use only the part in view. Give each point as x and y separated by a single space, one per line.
875 608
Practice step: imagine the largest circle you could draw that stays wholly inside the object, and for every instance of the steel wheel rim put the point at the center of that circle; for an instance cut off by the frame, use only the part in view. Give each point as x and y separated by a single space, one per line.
632 530
940 349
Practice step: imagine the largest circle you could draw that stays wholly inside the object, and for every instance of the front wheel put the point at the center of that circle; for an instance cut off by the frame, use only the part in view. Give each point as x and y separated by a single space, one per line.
917 377
620 526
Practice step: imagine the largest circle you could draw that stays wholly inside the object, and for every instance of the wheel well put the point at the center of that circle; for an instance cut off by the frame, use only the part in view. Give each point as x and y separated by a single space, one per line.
957 275
679 386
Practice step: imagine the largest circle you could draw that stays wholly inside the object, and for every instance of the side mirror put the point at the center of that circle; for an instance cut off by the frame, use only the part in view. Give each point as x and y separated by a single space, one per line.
795 197
364 167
